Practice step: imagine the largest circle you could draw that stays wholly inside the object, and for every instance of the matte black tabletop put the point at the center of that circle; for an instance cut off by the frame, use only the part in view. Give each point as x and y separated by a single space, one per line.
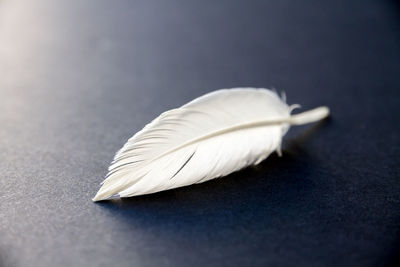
78 78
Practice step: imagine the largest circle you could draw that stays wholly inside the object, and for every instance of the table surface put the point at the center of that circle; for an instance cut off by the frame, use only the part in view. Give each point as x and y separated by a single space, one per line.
78 78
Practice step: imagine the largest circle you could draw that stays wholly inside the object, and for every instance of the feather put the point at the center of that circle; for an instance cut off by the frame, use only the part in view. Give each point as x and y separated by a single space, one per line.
209 137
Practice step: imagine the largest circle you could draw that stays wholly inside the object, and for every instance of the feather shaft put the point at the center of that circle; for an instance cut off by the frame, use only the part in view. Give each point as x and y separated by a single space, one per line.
298 119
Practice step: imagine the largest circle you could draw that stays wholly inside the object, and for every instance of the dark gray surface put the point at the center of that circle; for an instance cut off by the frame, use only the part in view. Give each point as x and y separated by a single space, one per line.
77 78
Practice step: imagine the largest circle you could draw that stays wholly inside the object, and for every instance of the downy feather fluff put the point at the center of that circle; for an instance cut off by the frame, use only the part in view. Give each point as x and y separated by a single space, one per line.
209 137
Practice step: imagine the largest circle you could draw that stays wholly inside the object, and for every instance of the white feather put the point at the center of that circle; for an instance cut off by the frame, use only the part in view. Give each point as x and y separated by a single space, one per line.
211 136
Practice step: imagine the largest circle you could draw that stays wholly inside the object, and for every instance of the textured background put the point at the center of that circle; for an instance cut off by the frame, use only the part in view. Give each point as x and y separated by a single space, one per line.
78 78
